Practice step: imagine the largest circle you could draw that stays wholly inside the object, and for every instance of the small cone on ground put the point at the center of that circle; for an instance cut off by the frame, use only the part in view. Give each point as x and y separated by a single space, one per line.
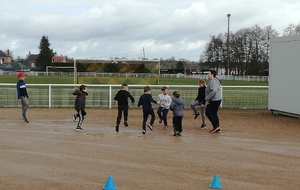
216 184
110 185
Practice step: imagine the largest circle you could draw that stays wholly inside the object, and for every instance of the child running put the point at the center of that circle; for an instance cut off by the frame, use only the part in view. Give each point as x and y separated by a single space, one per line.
122 98
164 100
80 94
200 101
22 94
145 101
177 106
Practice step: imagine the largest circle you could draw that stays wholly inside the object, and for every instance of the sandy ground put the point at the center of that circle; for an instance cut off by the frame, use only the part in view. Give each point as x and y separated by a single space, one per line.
256 150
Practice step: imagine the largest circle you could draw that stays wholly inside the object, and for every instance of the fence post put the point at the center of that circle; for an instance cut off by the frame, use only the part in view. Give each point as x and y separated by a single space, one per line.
221 105
49 96
109 96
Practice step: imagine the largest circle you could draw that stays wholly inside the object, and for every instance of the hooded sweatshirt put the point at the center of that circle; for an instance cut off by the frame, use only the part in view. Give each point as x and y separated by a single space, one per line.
213 90
177 106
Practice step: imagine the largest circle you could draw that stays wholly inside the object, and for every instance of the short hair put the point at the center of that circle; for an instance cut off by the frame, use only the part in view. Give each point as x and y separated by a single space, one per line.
201 81
147 88
213 72
82 87
124 86
164 88
176 94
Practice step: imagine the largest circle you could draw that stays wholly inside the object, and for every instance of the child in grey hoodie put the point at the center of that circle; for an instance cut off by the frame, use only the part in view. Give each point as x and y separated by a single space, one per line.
164 100
177 106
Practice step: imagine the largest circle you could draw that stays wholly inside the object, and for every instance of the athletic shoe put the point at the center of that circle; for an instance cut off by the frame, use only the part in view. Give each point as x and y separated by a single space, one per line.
176 133
196 115
117 128
143 132
24 119
150 127
74 117
215 130
203 126
218 131
125 123
79 128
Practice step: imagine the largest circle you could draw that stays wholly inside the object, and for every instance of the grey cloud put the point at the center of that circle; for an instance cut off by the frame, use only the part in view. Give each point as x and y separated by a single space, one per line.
123 27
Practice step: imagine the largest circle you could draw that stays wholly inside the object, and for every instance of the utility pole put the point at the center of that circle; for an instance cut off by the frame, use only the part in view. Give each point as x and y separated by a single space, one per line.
144 58
75 72
228 56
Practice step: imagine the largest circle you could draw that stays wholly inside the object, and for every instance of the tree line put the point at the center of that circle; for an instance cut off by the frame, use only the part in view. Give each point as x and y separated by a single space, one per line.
245 53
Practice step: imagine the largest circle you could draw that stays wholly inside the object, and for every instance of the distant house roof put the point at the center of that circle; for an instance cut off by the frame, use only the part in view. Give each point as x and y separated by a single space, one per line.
2 54
14 67
33 57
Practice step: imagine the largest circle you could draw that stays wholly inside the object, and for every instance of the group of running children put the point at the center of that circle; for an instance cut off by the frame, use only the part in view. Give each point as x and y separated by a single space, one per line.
165 102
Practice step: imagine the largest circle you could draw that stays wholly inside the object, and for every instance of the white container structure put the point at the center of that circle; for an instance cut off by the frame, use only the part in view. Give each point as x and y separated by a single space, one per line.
284 75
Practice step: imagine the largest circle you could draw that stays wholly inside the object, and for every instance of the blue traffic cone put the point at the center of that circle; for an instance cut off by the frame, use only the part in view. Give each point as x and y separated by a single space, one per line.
216 184
110 185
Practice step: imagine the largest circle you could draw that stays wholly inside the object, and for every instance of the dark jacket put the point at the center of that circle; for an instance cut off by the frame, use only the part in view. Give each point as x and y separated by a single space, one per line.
80 99
122 97
177 106
201 95
21 89
145 101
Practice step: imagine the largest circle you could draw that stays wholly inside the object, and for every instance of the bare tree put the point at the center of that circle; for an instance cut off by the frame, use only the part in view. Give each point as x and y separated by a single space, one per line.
292 29
248 48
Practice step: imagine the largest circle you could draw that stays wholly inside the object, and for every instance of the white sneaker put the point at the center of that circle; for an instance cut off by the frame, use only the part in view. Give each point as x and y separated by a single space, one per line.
150 127
79 129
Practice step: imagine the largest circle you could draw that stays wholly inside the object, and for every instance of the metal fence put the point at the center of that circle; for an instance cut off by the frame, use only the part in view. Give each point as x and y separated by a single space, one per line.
60 95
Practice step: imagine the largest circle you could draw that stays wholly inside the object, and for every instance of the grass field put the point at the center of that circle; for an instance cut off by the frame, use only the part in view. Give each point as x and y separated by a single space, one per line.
120 80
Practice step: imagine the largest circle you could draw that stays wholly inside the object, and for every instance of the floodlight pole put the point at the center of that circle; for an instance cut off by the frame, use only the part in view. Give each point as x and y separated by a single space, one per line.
228 56
158 73
75 72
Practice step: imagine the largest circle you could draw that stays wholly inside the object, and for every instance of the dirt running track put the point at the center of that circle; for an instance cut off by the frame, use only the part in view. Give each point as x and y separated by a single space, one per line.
256 150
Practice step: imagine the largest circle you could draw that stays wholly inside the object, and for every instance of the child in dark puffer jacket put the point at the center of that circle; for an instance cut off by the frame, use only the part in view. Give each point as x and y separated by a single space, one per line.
80 94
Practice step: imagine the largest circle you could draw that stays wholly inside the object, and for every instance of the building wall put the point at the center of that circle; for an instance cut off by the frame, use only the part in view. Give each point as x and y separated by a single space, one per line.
60 59
284 91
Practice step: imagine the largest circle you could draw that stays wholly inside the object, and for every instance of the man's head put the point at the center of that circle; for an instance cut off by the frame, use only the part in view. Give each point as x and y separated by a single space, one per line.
212 74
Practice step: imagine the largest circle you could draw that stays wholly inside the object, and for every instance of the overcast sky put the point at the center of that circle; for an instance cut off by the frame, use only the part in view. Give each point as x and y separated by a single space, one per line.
100 29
